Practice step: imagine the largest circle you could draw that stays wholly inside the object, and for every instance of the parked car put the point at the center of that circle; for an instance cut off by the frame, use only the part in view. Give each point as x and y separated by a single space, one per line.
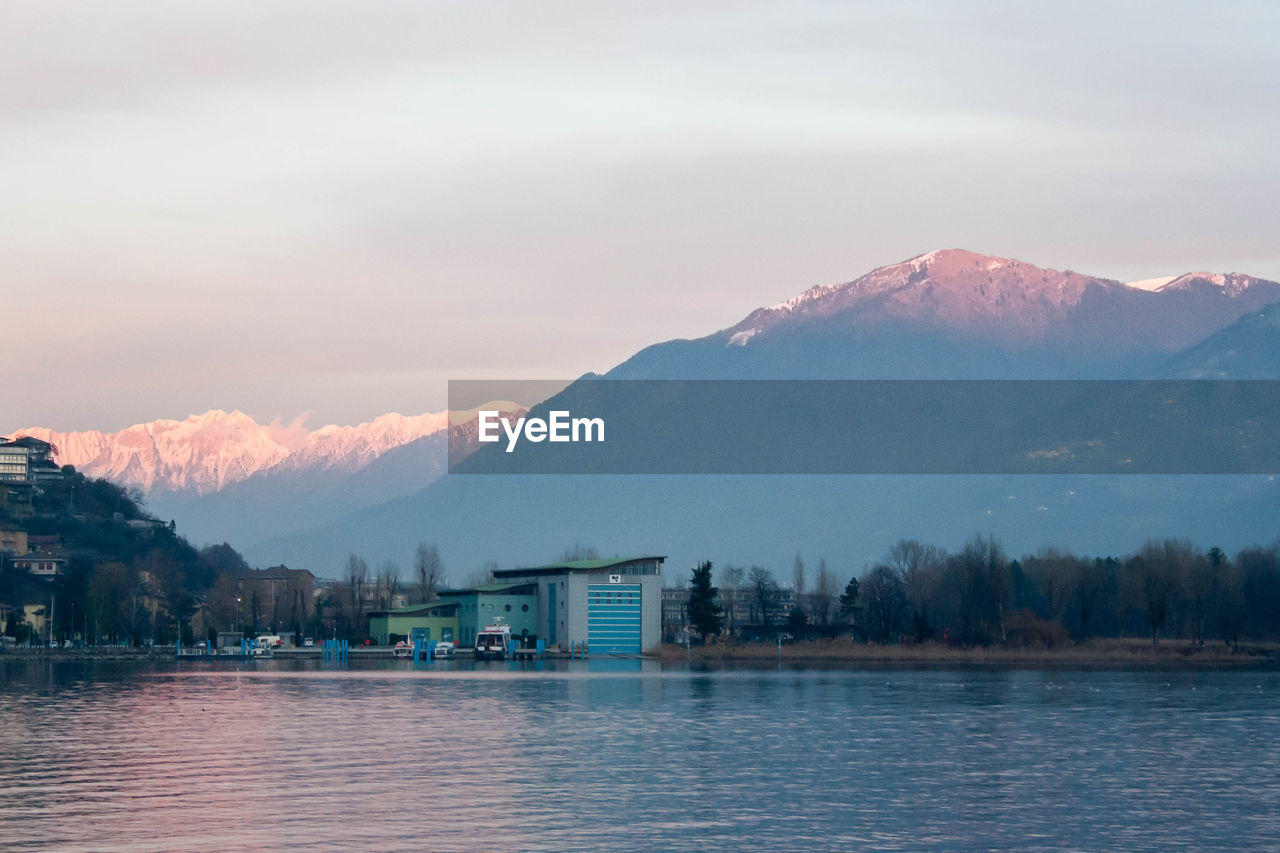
308 642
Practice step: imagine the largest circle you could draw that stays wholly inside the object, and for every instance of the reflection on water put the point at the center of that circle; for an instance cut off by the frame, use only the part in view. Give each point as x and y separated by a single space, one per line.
620 755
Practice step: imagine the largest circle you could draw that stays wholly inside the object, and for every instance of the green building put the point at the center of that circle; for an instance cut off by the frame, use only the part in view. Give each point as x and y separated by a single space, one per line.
516 603
427 622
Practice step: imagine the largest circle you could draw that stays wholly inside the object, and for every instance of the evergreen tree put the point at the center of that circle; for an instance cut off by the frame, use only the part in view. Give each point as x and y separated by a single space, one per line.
797 622
849 600
704 613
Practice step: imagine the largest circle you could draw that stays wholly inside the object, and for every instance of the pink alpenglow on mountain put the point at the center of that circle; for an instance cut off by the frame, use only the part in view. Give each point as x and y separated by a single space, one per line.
989 296
205 453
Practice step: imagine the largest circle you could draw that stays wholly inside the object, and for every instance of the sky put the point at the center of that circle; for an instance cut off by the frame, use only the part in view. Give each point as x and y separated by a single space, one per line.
333 208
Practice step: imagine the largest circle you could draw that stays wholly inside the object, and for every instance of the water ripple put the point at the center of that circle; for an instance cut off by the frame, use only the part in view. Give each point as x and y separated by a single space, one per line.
570 757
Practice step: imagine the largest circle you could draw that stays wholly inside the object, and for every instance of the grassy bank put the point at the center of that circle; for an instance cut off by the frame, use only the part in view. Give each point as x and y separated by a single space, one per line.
1101 653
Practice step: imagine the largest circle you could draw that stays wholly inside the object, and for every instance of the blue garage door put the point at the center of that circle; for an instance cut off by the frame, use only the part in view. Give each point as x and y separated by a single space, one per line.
613 618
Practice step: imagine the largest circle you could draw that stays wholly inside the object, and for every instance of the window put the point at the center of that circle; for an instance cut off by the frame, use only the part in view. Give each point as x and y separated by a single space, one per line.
524 608
508 608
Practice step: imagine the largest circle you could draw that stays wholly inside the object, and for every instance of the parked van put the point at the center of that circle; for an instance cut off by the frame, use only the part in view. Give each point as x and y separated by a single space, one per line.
269 641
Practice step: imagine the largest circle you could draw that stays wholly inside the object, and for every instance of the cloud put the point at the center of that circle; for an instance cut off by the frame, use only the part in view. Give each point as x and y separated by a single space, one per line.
242 204
293 434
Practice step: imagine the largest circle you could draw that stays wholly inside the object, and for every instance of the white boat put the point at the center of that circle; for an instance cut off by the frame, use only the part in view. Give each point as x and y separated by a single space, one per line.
403 650
443 650
492 643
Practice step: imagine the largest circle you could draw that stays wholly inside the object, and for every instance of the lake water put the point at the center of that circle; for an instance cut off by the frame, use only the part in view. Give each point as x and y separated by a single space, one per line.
619 755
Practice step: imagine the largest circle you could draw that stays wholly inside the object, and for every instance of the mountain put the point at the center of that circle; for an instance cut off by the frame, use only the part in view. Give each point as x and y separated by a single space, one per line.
946 314
209 452
200 454
953 314
1247 349
290 497
224 477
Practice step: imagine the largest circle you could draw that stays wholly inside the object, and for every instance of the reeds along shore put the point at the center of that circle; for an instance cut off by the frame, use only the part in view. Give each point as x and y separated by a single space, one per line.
1099 653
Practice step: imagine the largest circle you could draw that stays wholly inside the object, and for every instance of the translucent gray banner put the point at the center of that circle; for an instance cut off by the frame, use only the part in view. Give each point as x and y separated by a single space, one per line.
602 426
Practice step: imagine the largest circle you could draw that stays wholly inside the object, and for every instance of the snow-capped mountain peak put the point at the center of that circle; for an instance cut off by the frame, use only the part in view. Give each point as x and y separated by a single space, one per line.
353 446
968 293
1232 284
1150 283
206 452
955 287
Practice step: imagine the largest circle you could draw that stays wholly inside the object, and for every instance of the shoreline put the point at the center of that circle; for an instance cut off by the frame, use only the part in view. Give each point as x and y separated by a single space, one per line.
1094 654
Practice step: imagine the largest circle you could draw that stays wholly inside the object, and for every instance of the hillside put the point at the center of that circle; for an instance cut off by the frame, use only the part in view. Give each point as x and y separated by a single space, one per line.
1247 349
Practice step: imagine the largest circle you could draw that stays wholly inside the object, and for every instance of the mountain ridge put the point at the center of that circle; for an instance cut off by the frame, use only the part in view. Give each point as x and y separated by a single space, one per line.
947 286
207 452
956 314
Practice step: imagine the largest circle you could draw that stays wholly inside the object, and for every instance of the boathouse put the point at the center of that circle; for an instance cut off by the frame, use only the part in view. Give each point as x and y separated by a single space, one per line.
612 605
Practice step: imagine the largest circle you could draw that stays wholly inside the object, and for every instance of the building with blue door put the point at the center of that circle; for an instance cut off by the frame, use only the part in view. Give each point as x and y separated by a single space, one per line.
612 605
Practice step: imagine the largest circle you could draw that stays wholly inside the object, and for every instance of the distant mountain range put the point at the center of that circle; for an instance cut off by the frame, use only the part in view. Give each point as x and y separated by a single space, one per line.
310 497
209 452
223 476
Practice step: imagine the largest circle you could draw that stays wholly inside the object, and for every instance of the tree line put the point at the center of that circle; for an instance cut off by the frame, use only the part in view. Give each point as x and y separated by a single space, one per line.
978 596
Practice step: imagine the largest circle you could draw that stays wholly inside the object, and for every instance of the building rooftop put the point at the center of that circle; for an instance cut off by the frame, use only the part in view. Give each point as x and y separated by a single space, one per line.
500 586
579 566
275 573
414 609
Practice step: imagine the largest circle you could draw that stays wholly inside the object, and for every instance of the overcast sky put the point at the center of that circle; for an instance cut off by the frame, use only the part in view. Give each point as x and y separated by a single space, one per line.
292 207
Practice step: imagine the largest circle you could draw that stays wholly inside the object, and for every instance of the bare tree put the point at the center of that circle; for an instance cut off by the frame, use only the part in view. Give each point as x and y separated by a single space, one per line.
578 551
357 577
764 595
1229 606
797 581
1159 565
730 581
388 584
222 600
981 572
886 600
429 570
1056 575
1199 576
920 568
825 590
482 575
